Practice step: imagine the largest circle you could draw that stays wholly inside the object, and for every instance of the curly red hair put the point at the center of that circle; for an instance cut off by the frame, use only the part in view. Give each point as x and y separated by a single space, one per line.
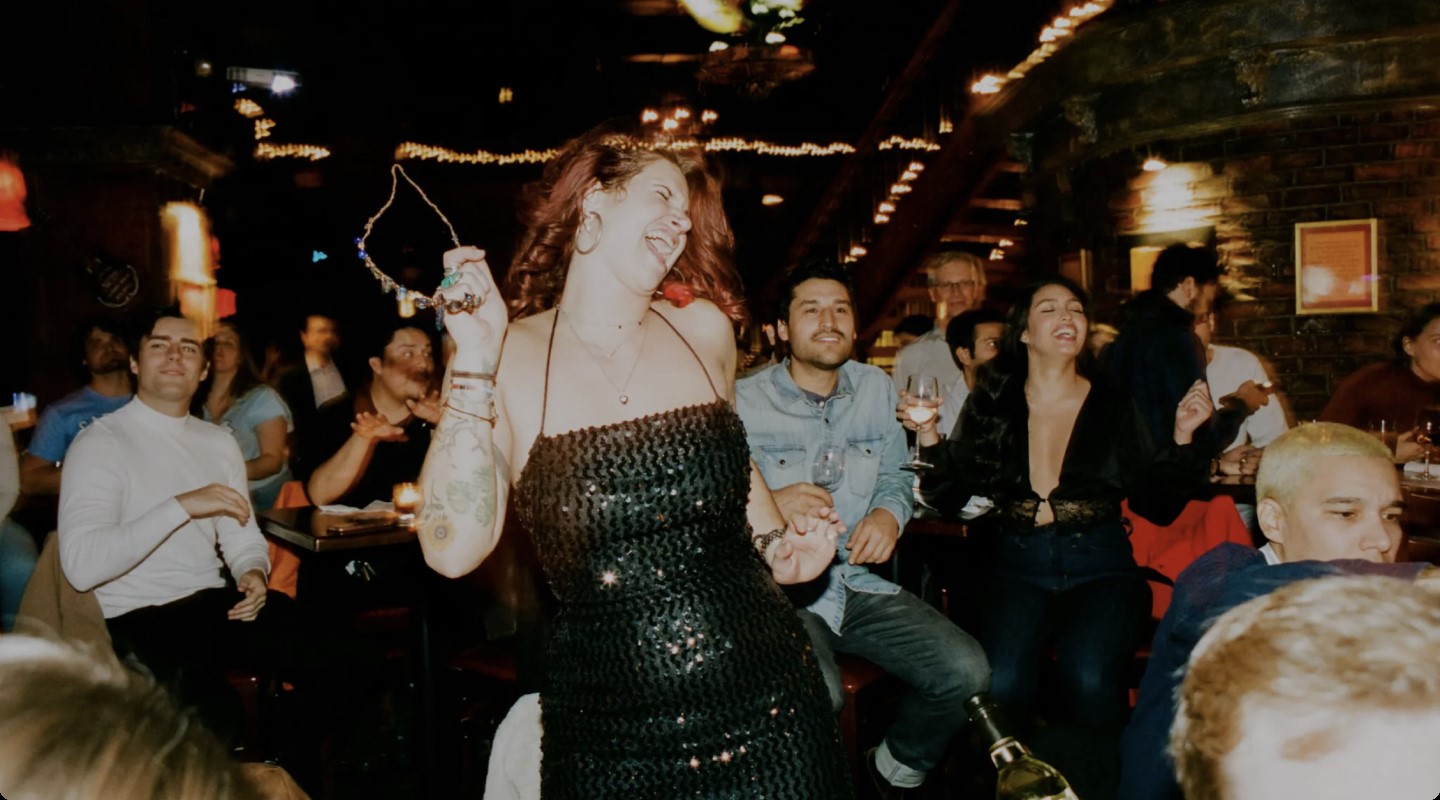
550 211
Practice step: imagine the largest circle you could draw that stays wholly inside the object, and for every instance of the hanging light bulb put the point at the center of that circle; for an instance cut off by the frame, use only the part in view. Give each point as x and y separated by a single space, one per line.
1154 164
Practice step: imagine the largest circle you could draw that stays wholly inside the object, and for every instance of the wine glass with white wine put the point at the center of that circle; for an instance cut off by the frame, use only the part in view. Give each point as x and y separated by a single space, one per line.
922 404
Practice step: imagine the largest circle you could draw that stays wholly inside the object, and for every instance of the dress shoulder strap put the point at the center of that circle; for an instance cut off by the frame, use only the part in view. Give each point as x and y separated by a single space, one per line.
685 342
545 393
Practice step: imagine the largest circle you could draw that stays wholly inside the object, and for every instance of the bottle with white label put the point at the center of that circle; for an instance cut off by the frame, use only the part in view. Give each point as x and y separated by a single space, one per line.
1022 776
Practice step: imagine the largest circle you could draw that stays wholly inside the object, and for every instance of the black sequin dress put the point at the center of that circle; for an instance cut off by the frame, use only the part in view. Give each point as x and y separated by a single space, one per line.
677 668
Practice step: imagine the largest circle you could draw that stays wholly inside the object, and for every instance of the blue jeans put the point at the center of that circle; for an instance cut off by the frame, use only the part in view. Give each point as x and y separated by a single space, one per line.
909 639
1081 592
17 561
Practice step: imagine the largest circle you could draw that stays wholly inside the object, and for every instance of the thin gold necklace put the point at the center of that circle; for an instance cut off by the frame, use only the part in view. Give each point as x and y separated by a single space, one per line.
620 389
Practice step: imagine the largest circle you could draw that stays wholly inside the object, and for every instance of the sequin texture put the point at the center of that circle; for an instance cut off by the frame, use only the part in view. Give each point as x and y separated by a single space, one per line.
677 667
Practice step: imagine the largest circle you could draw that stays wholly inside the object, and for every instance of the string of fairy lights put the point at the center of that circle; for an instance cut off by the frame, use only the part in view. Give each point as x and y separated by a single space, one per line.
1062 27
266 151
673 124
680 128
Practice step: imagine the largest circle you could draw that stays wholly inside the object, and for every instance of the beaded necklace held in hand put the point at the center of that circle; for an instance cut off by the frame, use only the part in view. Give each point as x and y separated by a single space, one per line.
403 294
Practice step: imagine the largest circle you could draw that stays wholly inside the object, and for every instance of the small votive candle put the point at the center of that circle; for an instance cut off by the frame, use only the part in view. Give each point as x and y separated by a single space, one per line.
407 501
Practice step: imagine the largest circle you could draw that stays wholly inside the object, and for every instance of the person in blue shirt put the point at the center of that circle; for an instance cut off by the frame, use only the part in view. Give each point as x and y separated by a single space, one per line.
101 349
233 397
818 402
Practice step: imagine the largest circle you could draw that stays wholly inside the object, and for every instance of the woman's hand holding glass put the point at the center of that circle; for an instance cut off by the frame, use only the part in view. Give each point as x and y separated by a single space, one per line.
919 411
479 333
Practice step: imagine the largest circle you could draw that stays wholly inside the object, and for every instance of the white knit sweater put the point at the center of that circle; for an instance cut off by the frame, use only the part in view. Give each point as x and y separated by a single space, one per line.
123 533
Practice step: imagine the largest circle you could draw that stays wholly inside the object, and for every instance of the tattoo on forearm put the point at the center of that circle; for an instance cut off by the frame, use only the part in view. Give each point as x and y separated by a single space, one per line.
460 484
485 502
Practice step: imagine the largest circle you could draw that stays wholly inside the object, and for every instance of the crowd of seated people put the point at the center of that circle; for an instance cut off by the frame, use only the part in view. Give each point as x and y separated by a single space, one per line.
156 517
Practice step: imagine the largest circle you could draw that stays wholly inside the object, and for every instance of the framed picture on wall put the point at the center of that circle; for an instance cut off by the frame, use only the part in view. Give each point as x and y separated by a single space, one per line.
1078 267
1337 267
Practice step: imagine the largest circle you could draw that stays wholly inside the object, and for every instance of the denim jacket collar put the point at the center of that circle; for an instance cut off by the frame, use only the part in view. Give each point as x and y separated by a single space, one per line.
790 393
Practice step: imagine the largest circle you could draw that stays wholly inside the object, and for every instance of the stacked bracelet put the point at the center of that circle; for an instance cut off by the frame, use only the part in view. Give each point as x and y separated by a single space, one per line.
474 376
462 412
763 541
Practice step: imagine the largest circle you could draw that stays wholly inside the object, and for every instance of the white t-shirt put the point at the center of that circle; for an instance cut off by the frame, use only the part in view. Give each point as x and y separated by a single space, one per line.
123 533
1271 559
1230 367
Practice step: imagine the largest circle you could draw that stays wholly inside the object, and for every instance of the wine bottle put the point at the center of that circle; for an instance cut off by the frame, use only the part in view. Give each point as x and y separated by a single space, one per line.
1022 776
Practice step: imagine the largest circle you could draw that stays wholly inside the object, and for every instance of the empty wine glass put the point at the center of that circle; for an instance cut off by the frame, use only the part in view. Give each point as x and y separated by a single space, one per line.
922 404
829 468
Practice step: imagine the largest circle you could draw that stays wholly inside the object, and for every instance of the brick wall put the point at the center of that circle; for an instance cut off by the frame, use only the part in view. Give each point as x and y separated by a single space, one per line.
1254 183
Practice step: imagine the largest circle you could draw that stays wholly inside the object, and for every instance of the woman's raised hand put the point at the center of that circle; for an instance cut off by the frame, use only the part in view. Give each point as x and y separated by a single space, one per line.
1194 408
479 333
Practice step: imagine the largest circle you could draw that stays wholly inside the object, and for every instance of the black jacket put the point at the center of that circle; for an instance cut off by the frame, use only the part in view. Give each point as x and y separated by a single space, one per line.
1155 359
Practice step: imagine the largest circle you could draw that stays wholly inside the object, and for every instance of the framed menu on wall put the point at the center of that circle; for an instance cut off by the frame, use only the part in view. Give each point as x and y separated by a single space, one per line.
1336 267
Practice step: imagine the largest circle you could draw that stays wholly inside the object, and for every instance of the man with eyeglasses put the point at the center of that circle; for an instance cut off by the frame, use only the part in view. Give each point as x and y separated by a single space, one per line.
957 285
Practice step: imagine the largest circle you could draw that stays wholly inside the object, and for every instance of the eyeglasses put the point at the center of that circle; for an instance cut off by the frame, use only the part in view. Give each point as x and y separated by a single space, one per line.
954 286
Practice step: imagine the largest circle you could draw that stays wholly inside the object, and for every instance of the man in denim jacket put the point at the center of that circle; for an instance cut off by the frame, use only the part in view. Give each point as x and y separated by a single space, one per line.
818 400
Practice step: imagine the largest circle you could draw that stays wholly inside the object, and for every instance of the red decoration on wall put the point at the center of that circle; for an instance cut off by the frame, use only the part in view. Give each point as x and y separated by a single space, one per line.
224 303
12 197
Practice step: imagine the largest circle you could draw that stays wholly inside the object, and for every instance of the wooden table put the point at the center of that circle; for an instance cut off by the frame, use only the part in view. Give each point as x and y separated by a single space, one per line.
309 530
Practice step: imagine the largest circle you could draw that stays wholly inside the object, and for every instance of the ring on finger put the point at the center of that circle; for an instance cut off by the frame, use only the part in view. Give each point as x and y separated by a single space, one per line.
467 305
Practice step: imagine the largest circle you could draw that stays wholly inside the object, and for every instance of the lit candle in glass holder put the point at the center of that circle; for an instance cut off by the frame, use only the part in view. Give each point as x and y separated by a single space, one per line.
407 501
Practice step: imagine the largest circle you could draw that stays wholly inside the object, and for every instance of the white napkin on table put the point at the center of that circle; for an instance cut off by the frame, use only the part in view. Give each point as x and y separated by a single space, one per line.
376 505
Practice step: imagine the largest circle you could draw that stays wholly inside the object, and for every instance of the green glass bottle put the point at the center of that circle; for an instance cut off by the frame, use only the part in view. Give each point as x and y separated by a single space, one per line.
1022 776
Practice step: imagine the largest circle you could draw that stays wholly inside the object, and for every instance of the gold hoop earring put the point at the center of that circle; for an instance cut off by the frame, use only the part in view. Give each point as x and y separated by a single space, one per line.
593 226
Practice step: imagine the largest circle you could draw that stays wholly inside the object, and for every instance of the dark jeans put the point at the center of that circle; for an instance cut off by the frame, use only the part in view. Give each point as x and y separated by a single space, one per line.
1079 591
189 644
903 635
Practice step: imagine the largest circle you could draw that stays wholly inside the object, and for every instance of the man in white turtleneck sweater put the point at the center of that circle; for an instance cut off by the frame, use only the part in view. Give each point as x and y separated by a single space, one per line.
152 499
154 511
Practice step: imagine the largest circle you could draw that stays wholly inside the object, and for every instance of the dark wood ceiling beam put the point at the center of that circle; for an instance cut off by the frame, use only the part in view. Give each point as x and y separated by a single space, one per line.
875 132
953 179
995 203
962 230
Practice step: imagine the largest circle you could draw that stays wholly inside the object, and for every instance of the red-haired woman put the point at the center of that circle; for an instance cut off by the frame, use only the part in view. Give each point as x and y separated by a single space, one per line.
676 667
